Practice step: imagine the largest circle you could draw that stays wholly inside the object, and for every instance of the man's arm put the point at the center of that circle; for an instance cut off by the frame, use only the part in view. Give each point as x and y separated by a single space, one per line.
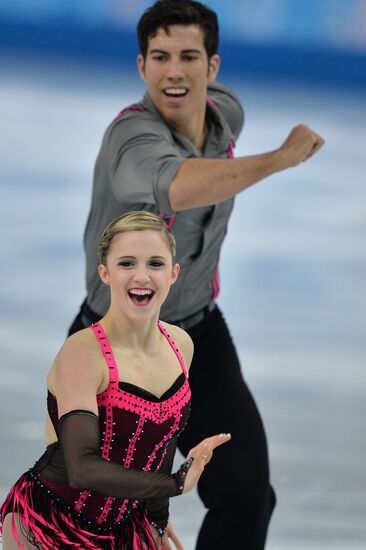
204 182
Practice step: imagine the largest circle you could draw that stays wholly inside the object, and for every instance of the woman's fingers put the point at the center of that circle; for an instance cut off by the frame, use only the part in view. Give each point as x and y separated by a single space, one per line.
217 440
175 540
206 447
201 455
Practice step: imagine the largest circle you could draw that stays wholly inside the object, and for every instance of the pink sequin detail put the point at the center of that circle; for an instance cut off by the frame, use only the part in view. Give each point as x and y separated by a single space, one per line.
157 412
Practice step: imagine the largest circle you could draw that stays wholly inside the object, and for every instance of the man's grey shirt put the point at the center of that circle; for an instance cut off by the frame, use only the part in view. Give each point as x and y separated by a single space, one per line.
139 158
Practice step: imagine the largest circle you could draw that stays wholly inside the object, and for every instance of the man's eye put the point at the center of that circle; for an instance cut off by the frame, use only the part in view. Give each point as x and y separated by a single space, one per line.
159 57
190 57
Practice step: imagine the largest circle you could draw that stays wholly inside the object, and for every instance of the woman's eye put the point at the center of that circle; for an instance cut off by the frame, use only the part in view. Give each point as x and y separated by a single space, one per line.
156 264
126 263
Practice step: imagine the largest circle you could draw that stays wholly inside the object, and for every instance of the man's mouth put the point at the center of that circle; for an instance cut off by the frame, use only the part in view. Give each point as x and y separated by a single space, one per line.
175 92
141 296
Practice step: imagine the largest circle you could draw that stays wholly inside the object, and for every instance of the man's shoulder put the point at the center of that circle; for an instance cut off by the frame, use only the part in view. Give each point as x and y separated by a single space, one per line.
228 104
137 120
222 92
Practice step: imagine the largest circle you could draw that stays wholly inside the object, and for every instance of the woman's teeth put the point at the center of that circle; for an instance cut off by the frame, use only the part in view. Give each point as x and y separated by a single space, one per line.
140 292
141 295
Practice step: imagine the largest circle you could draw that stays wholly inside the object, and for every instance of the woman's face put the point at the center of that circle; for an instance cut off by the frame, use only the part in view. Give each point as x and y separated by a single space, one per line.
139 270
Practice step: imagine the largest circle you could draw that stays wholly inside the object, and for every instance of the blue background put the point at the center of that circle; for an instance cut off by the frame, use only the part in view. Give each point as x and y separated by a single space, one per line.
293 264
323 40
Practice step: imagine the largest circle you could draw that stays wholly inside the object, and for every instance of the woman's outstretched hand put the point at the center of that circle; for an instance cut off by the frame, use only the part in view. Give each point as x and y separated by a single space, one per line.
201 455
165 542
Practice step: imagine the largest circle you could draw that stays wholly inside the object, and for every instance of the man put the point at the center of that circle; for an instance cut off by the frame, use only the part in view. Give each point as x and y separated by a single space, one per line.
171 154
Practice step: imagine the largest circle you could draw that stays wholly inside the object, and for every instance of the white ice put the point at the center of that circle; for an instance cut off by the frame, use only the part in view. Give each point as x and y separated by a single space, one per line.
293 278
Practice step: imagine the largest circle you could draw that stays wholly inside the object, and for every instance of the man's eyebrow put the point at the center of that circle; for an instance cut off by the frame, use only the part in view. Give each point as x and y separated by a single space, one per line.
157 50
188 50
191 50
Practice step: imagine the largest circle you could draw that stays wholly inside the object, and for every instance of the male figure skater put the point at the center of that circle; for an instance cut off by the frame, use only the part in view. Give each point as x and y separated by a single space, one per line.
170 153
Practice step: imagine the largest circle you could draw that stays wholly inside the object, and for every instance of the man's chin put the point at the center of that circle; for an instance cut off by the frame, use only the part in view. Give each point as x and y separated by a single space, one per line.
175 118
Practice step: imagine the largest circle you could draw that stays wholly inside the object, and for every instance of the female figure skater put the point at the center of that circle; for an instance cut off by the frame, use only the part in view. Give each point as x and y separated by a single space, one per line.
118 397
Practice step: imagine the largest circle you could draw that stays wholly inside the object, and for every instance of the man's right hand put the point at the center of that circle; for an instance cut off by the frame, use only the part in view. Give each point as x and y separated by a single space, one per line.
204 181
301 144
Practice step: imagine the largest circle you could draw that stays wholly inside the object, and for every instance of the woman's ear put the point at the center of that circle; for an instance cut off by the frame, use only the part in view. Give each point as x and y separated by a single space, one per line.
103 274
175 273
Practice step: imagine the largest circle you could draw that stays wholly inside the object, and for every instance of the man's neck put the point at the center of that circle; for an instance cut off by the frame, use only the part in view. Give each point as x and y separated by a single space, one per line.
196 132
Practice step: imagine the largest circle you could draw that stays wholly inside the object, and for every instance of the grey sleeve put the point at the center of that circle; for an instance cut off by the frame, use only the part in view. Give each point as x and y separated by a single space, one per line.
142 161
229 105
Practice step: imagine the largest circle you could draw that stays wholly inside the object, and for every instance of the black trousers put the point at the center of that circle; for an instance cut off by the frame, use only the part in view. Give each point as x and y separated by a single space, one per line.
235 485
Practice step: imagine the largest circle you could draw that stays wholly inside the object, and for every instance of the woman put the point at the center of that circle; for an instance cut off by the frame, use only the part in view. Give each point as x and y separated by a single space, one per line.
118 397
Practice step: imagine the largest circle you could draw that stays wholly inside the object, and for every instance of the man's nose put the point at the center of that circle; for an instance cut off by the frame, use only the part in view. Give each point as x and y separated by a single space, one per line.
175 70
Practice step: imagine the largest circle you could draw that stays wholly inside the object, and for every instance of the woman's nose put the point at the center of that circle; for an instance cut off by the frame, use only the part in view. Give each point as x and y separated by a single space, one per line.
141 275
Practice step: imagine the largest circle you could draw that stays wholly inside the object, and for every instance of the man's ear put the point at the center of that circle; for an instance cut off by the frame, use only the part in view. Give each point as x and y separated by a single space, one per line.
213 67
141 66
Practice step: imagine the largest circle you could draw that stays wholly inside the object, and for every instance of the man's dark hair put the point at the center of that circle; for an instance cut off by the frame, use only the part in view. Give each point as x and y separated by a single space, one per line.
165 13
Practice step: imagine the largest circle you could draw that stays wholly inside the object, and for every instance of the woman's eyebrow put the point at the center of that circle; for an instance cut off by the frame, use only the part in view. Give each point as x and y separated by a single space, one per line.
134 257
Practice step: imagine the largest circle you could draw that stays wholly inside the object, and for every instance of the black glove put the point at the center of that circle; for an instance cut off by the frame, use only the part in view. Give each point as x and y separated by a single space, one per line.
79 436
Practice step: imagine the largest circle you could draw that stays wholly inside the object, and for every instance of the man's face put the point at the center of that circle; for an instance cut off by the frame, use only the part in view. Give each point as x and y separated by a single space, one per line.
176 71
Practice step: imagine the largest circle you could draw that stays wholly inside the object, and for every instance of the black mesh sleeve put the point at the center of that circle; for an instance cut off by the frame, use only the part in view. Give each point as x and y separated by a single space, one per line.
158 508
79 437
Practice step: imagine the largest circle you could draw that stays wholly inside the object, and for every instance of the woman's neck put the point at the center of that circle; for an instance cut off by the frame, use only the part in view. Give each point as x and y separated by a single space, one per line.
124 332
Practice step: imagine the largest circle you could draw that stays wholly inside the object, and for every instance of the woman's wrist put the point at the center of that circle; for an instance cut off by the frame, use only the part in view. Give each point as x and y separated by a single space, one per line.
160 526
180 475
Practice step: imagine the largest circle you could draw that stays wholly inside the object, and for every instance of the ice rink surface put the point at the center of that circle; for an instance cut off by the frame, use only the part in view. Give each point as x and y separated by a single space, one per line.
293 272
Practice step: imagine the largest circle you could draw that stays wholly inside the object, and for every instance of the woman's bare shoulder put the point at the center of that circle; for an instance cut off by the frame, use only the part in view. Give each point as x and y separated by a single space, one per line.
80 352
183 341
82 344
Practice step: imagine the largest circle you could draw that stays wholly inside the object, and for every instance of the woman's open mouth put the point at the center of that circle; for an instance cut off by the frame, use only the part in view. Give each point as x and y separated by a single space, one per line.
141 296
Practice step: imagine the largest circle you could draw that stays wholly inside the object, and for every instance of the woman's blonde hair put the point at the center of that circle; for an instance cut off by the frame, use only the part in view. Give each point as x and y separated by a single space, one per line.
137 220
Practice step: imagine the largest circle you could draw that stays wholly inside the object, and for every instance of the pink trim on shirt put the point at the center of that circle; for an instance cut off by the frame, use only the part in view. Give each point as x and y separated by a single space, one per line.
139 108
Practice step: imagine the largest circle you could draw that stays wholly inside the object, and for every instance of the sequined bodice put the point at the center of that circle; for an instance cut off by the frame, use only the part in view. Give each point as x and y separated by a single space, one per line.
135 432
